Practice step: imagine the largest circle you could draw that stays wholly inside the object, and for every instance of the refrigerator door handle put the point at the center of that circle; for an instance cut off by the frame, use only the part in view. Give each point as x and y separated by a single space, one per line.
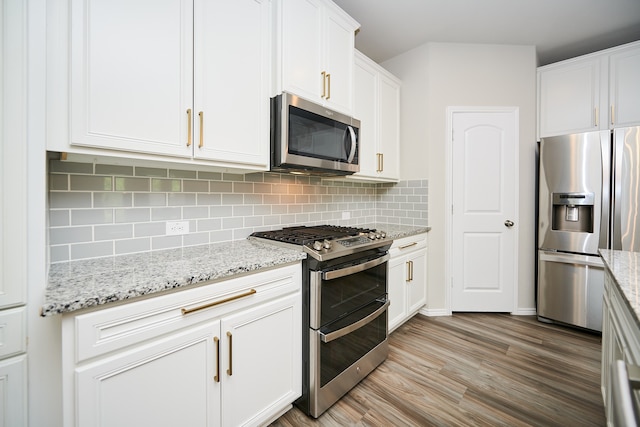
607 197
618 145
592 261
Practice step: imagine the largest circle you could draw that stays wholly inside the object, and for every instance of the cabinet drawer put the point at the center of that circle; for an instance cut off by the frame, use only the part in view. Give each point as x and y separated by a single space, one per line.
105 330
408 244
12 331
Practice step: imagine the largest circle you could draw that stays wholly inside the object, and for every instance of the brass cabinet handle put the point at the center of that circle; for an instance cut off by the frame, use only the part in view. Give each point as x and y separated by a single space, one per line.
328 85
324 84
189 127
612 119
201 115
408 245
596 116
230 370
411 270
222 301
408 263
216 340
381 162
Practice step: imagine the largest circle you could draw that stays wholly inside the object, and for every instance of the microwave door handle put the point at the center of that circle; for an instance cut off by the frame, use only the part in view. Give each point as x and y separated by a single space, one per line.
352 135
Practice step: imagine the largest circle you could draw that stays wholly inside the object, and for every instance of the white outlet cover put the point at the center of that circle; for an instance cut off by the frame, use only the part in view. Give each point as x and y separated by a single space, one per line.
177 227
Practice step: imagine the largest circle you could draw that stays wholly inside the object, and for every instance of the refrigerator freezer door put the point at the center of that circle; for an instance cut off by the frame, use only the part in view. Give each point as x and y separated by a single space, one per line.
626 194
570 289
573 213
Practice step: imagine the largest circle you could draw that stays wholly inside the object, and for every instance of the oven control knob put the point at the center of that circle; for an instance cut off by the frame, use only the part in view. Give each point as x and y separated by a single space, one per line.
326 244
383 235
372 235
317 245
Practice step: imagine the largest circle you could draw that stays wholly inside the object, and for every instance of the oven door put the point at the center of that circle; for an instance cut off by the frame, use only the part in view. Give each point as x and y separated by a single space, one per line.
339 289
344 352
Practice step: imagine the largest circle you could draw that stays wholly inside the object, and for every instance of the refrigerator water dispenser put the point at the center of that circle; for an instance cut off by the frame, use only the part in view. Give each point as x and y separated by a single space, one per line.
573 212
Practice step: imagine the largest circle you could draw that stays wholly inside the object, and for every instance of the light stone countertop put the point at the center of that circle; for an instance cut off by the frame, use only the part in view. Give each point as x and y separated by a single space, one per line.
75 285
625 270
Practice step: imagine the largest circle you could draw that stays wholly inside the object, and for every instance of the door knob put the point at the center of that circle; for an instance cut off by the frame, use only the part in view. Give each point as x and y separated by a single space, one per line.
508 223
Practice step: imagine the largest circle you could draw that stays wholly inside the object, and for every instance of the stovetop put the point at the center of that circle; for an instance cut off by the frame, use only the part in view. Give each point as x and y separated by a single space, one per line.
325 242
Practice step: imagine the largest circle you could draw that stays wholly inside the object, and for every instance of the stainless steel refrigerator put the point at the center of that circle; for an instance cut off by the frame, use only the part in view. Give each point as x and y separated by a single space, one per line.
589 196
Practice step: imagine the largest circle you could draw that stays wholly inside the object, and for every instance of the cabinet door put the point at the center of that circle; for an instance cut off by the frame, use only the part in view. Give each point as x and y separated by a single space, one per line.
417 285
389 137
13 154
569 98
167 382
397 290
625 87
132 74
302 48
365 109
262 361
13 391
232 78
339 41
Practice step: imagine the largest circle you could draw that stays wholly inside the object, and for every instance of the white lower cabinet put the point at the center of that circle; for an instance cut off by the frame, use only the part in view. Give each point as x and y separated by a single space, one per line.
235 360
13 391
620 339
407 279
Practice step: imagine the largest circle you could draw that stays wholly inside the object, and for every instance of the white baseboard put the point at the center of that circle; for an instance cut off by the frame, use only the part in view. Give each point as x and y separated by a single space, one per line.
432 312
524 312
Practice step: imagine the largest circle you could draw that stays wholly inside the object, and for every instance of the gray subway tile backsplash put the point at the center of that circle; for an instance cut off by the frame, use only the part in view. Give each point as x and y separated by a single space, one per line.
100 210
131 184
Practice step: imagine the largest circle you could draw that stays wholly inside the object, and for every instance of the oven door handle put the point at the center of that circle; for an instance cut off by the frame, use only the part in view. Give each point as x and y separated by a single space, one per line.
334 274
352 327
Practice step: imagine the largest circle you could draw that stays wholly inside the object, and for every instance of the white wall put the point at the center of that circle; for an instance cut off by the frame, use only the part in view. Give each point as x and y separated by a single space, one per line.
436 76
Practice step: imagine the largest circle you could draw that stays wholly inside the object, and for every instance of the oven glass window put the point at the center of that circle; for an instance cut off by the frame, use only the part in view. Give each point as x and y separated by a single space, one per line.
345 294
315 136
339 354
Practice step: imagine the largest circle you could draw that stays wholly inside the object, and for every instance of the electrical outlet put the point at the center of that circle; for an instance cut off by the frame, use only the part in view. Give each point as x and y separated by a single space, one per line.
346 215
177 227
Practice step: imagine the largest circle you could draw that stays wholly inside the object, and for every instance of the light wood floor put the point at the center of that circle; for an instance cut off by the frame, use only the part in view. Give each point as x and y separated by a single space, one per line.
475 369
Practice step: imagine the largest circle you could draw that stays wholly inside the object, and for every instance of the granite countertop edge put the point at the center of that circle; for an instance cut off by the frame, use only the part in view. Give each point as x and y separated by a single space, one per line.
76 285
625 271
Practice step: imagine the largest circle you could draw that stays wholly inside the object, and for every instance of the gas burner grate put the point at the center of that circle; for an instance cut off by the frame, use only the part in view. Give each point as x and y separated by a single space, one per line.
307 234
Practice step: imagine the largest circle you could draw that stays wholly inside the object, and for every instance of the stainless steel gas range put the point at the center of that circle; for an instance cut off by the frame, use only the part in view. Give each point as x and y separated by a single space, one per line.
344 294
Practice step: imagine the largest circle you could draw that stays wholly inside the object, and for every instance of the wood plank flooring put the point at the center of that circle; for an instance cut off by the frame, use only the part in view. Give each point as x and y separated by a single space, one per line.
475 369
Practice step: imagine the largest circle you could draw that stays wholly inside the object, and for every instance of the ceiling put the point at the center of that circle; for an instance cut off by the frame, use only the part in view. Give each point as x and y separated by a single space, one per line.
560 29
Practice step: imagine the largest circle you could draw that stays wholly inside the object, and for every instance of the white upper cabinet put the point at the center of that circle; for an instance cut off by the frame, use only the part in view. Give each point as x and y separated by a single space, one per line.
182 79
315 41
624 92
232 78
592 92
132 75
377 106
569 96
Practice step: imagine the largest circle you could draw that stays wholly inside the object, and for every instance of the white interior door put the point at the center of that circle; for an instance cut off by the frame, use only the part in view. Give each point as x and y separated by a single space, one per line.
484 222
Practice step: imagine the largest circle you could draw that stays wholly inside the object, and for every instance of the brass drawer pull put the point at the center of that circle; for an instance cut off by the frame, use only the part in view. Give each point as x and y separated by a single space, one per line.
222 301
409 245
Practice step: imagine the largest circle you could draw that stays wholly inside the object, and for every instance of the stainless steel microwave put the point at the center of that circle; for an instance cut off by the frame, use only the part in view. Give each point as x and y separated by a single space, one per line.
310 139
